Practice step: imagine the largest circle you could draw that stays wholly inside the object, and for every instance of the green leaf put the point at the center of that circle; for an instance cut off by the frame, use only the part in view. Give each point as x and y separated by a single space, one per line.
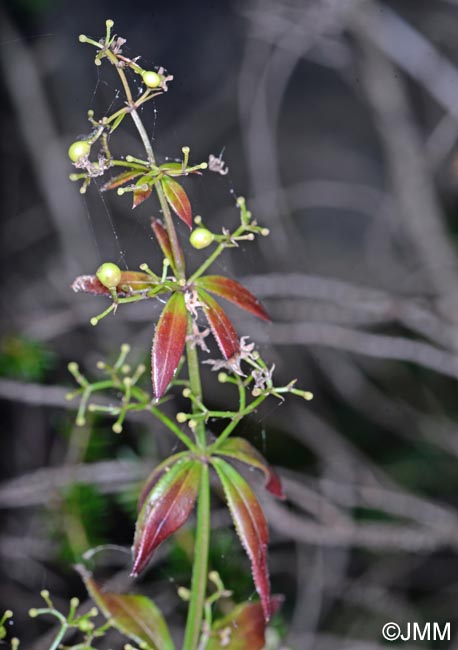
130 282
156 474
177 199
240 449
135 616
162 237
165 509
120 179
251 526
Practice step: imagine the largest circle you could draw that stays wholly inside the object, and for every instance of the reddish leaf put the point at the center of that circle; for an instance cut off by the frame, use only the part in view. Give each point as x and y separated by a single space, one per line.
165 509
251 526
244 627
221 326
130 281
168 343
155 475
178 199
135 616
242 450
140 196
233 291
162 237
119 180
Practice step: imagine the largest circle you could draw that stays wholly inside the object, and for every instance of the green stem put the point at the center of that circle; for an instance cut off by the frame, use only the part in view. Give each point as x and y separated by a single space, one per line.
231 426
152 160
199 574
173 428
201 550
63 623
200 567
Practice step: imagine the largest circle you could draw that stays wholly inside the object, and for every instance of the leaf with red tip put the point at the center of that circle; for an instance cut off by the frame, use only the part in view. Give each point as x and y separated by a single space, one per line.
119 180
140 195
240 449
135 616
130 282
165 509
221 326
251 526
168 343
244 627
156 474
162 237
233 291
177 199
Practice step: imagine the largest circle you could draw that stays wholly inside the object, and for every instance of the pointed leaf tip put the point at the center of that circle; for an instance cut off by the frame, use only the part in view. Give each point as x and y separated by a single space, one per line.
168 343
135 616
165 509
220 325
177 199
140 196
234 292
240 449
251 526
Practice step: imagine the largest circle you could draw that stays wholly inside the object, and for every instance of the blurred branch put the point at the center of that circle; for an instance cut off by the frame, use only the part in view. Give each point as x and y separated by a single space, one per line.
411 51
374 536
380 346
405 155
34 394
47 154
38 487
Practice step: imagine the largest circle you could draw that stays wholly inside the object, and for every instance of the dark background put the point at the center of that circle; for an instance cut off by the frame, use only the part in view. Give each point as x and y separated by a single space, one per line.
338 120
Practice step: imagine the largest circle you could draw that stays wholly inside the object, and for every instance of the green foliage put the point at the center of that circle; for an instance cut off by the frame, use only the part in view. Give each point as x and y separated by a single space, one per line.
24 359
80 521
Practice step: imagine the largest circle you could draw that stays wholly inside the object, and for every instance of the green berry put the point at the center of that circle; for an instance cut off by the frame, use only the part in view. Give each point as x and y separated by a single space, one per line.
109 275
79 149
151 79
201 238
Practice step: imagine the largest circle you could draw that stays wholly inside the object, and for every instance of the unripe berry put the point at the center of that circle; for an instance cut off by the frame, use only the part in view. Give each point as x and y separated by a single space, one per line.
201 238
109 275
79 149
151 79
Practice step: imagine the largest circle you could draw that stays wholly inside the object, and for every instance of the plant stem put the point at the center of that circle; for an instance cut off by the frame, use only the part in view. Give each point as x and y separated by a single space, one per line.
152 159
201 549
200 567
232 425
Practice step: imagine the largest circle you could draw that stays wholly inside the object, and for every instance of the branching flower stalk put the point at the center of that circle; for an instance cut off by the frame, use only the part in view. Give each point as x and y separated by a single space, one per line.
182 480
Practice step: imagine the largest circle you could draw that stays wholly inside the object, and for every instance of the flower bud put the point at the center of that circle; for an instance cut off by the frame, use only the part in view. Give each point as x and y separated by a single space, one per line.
79 149
109 275
151 79
201 238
